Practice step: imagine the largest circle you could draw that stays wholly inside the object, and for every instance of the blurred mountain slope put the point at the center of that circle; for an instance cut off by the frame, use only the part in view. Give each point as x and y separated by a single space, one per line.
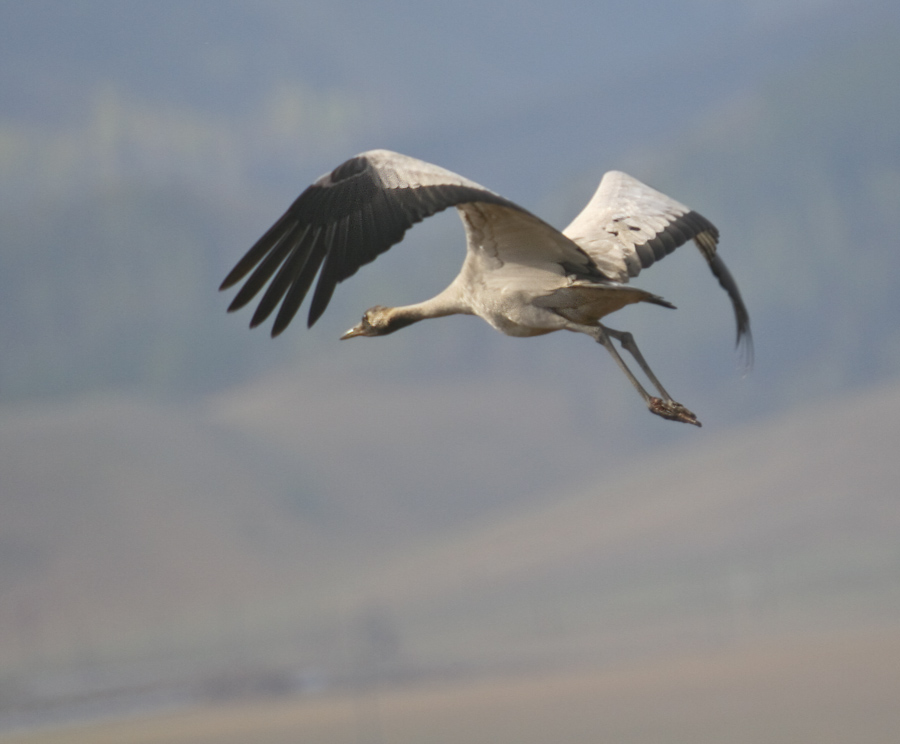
151 539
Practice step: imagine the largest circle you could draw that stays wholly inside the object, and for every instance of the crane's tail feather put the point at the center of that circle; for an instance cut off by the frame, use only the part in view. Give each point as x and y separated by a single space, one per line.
657 300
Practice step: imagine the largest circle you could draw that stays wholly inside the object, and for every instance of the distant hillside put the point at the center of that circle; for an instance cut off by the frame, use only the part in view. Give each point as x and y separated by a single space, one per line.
784 526
150 540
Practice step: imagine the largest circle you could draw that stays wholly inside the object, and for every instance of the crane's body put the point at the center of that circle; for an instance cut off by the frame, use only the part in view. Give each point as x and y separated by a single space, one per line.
521 275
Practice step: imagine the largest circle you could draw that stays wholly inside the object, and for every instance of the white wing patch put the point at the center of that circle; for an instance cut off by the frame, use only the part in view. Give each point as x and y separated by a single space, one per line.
500 236
622 214
397 171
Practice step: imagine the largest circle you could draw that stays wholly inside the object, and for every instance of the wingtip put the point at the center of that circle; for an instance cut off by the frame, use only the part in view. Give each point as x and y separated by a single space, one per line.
235 305
278 326
744 348
234 276
316 311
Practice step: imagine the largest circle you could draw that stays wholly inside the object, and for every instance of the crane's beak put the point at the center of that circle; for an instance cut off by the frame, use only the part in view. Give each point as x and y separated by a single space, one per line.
357 330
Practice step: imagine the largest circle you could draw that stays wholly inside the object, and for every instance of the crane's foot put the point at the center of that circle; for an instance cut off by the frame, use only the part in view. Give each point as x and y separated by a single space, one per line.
673 411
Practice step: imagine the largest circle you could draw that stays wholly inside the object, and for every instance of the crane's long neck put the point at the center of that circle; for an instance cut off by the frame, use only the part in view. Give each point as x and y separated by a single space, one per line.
448 302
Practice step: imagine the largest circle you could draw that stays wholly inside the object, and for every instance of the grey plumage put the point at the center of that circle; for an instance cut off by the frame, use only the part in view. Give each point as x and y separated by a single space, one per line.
521 275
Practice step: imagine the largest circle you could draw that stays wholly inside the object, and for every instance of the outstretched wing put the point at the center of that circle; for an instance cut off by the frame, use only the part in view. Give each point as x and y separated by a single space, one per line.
628 226
344 220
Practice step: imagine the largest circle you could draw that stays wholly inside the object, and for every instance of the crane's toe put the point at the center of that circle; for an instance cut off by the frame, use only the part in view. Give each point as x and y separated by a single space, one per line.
673 411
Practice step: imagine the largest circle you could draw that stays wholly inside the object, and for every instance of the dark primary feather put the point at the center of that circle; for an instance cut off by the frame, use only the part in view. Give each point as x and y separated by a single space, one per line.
683 228
676 233
744 338
341 222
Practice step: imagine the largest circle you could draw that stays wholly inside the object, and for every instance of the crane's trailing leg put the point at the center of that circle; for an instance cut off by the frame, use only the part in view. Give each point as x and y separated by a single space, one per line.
664 406
630 345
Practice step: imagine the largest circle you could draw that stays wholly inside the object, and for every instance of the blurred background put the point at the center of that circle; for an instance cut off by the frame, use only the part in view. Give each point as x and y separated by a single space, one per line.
446 534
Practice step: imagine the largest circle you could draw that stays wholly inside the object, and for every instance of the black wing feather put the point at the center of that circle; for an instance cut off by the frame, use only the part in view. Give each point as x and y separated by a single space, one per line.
744 338
259 250
298 289
286 275
678 232
269 261
335 250
692 225
344 220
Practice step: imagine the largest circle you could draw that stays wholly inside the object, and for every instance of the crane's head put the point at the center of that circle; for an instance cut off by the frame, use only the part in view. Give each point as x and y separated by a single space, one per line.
379 321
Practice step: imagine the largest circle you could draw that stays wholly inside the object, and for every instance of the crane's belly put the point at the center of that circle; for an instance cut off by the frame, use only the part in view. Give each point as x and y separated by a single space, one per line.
518 314
524 321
